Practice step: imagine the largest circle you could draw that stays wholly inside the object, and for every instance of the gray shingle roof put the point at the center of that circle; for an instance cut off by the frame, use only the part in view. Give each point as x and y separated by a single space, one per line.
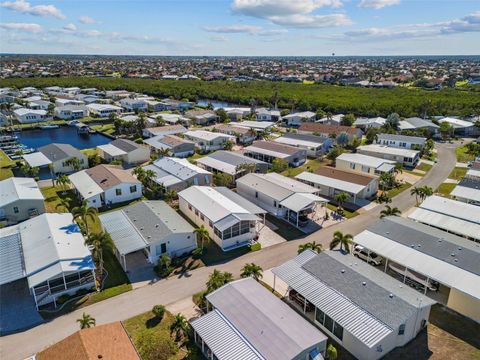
436 243
306 137
233 158
405 138
55 152
337 271
125 144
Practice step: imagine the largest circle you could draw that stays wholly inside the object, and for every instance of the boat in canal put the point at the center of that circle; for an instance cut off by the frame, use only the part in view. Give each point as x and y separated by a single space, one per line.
48 126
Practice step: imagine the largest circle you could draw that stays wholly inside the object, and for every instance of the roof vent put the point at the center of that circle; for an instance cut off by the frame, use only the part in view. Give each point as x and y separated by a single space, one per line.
456 260
387 232
364 283
452 254
390 296
156 225
459 248
343 271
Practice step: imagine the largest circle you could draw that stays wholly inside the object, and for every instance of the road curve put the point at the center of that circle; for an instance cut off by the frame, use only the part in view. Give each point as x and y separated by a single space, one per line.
19 346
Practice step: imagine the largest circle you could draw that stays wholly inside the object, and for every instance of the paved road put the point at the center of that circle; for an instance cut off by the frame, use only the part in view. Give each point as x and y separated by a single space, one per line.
21 345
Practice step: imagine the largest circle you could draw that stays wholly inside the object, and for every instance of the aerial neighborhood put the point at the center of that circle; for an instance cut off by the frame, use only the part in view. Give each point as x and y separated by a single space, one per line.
234 230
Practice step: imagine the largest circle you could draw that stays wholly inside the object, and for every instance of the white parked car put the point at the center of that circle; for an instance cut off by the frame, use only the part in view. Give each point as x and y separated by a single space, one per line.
362 253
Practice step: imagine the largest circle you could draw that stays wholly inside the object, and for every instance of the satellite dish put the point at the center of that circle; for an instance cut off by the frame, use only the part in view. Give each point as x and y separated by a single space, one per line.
333 54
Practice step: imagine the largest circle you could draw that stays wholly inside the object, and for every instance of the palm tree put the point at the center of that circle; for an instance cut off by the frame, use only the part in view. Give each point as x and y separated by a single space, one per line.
252 270
139 172
62 181
84 212
417 192
341 199
74 162
310 246
202 235
389 211
170 195
217 279
179 326
343 240
398 169
426 192
86 321
99 243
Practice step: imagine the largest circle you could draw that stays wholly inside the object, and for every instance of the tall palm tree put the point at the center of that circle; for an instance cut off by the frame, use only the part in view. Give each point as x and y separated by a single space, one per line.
417 192
398 169
426 192
84 212
252 270
99 243
86 321
341 199
139 172
170 195
62 181
217 279
310 246
389 211
202 236
74 162
343 240
179 326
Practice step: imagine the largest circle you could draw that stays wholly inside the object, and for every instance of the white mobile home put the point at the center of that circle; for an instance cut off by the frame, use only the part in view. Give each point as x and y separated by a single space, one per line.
209 141
364 164
127 151
59 156
103 110
27 116
20 199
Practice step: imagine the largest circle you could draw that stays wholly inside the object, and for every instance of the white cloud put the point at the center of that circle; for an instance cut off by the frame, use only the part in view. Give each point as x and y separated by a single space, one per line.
31 28
312 21
70 27
244 29
25 7
292 13
377 4
87 20
218 38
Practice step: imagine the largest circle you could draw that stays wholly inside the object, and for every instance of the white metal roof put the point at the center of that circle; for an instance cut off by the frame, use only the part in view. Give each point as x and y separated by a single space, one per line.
18 188
84 184
342 185
361 324
366 160
36 159
456 123
208 135
111 150
299 142
446 222
100 107
11 260
473 173
123 233
268 152
452 208
51 244
212 203
218 165
382 149
300 201
260 125
465 192
441 271
223 339
25 111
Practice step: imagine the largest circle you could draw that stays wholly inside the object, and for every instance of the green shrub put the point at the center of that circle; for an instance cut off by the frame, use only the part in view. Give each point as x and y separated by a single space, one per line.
158 311
62 299
255 247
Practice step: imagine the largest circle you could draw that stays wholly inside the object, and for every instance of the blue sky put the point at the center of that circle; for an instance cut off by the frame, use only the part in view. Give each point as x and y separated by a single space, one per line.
241 27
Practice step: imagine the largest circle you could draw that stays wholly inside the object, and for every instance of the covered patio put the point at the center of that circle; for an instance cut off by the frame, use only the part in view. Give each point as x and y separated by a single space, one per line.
299 209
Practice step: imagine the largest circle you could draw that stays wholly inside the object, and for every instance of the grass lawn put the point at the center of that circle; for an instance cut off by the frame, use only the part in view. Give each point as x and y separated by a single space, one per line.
445 188
458 173
213 254
54 196
462 155
195 157
90 152
310 165
346 213
153 339
396 191
424 167
5 166
5 173
285 230
105 128
413 172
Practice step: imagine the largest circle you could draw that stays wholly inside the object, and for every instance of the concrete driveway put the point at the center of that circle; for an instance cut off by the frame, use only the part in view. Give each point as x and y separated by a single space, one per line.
139 271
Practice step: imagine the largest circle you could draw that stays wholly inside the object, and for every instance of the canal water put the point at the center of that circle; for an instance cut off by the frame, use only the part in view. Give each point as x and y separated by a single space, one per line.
216 104
64 134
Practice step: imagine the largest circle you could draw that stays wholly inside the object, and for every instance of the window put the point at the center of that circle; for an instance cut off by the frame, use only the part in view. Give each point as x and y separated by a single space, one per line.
256 194
319 315
189 207
133 188
202 217
328 323
160 249
15 210
401 329
195 181
118 192
365 168
210 223
196 212
274 203
352 166
338 331
164 248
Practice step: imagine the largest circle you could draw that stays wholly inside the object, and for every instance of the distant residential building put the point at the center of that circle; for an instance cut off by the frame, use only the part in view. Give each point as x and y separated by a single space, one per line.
164 130
59 102
415 123
296 119
70 112
236 113
202 117
209 141
263 114
461 127
59 154
331 181
313 144
230 220
173 119
64 267
103 110
134 104
268 151
174 145
401 141
243 135
270 330
259 126
329 130
20 199
178 174
331 120
124 150
364 164
467 190
405 157
367 123
231 163
39 105
170 104
151 227
28 116
364 310
105 185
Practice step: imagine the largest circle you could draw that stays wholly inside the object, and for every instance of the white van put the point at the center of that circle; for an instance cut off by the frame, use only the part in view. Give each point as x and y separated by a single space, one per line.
362 253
